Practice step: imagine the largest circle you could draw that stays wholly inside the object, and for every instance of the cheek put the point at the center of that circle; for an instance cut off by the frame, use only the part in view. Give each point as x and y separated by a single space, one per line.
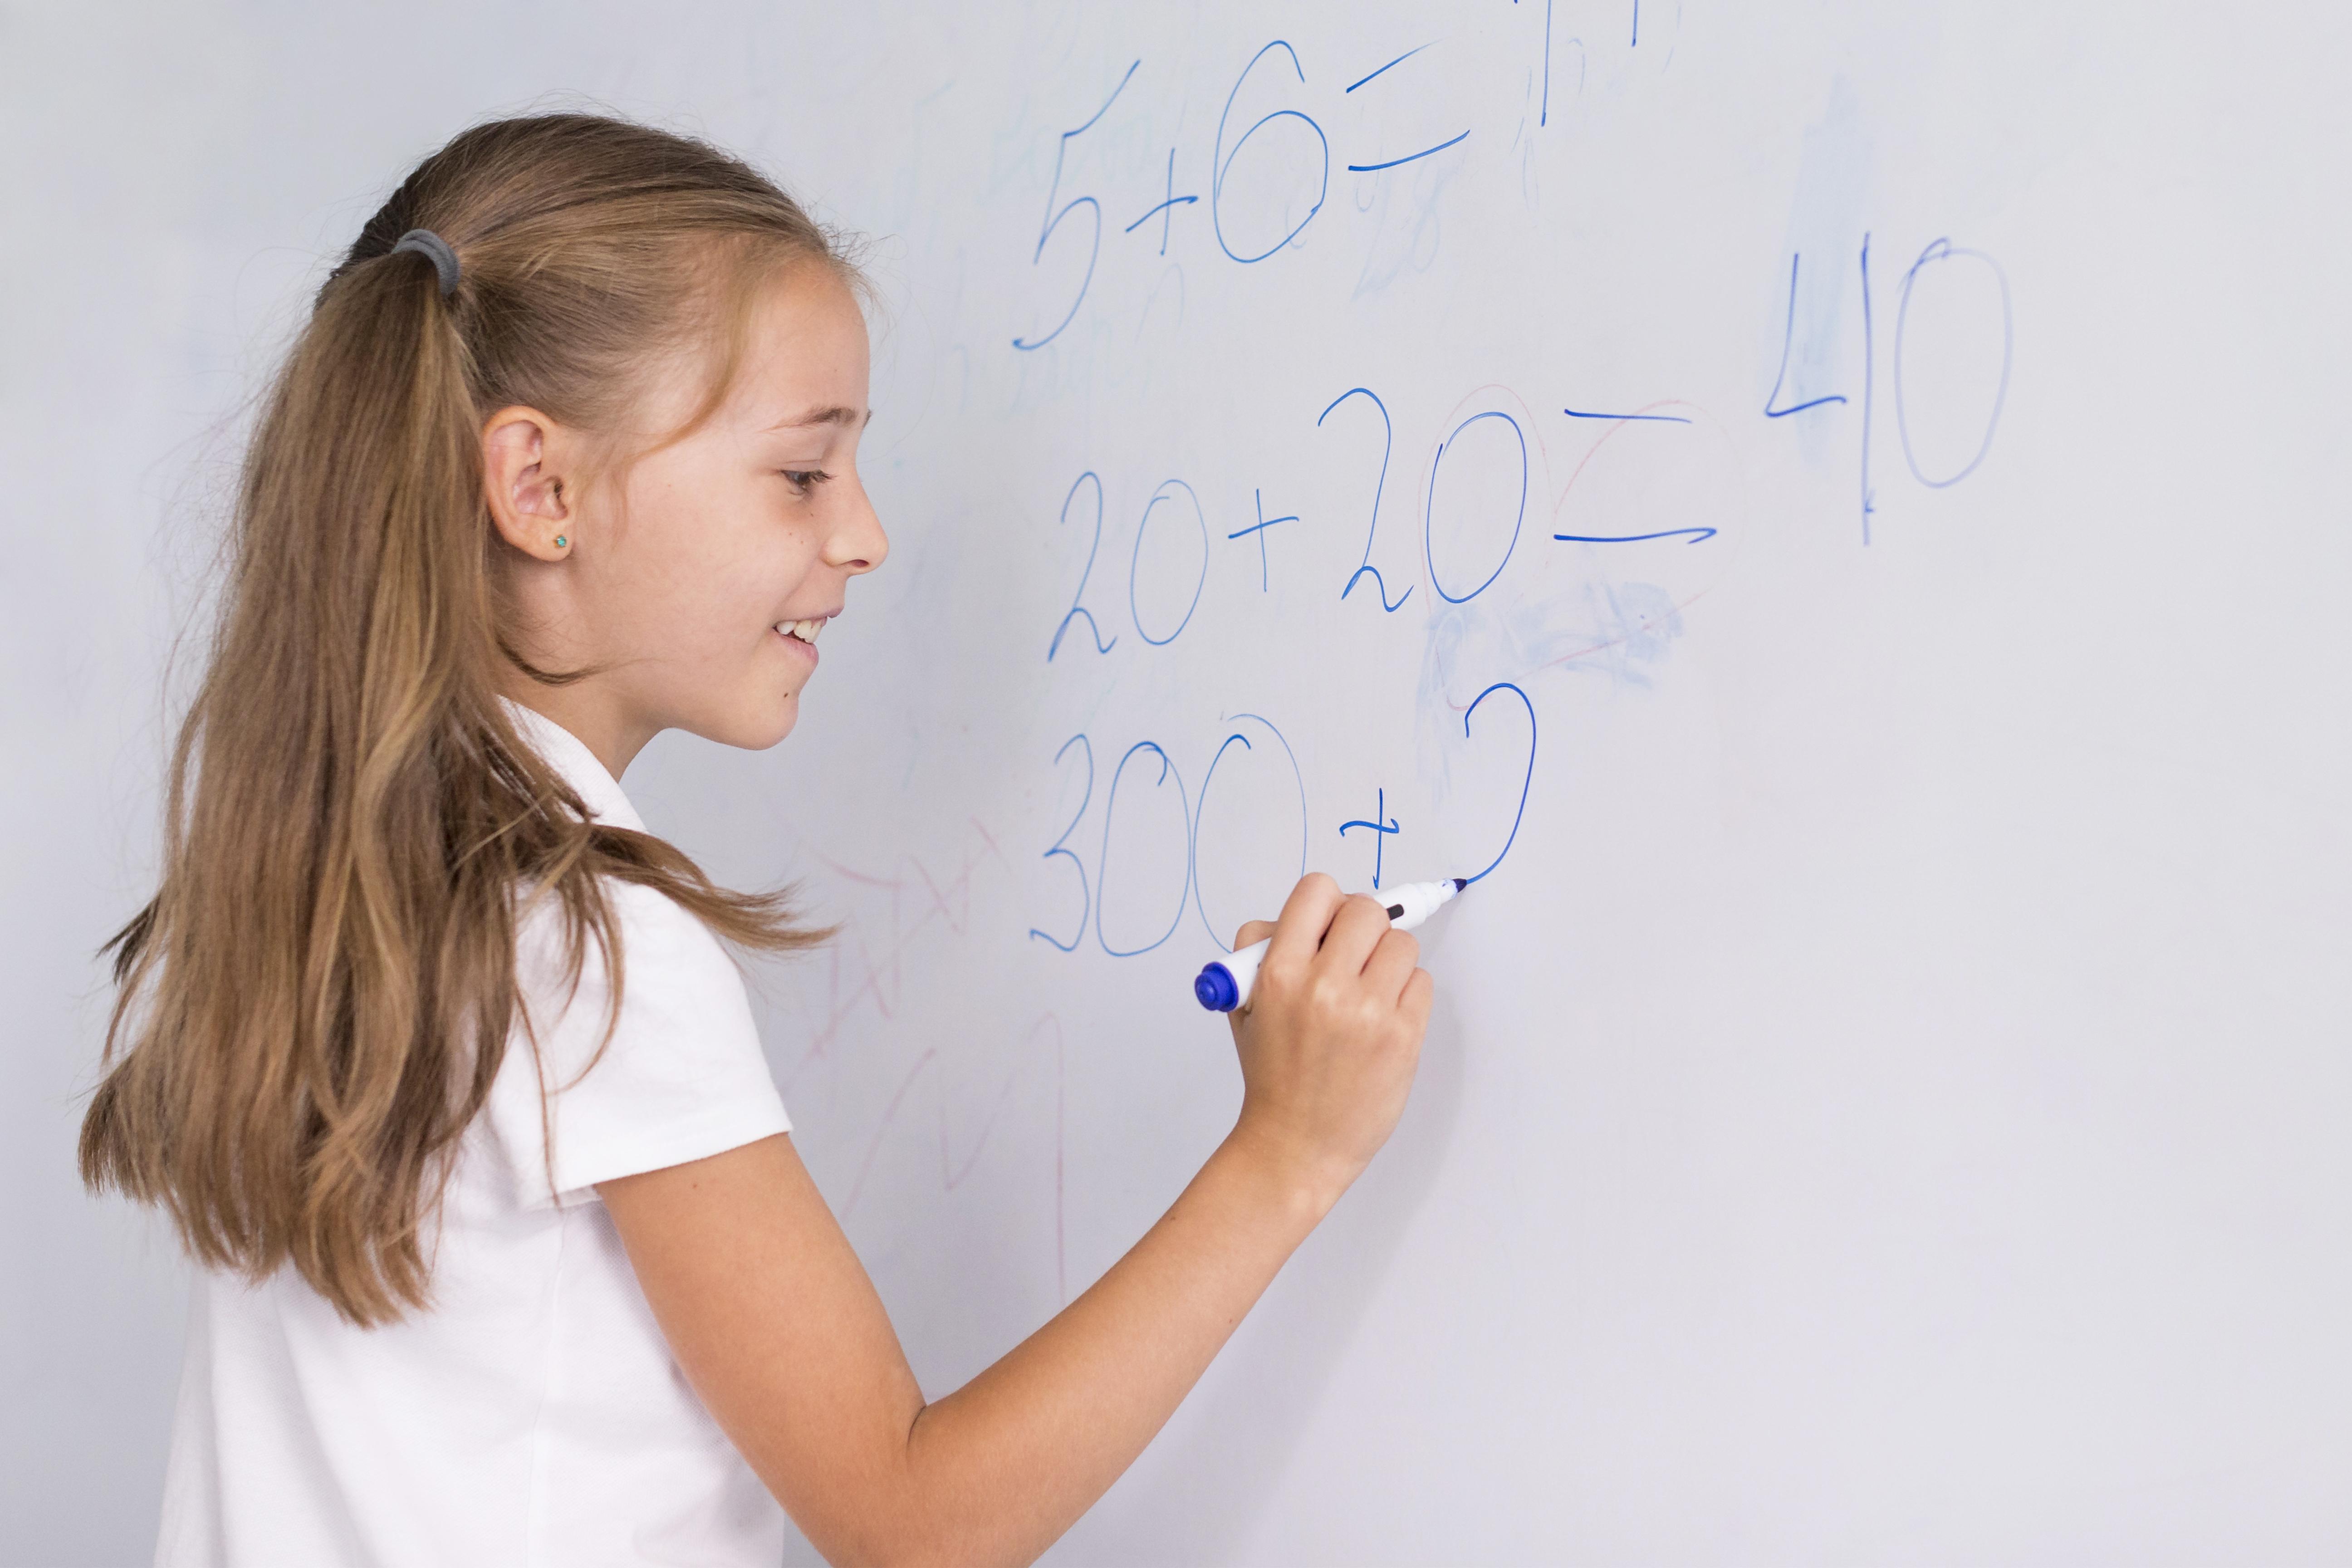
788 555
742 574
760 586
713 577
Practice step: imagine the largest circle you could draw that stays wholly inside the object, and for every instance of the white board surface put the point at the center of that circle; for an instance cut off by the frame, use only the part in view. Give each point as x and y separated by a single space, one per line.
1888 1098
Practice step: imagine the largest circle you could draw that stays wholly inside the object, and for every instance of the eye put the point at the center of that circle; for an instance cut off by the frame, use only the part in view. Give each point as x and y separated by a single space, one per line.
804 481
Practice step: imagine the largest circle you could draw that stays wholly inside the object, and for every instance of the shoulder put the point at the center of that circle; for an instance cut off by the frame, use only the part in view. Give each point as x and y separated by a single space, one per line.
662 936
661 948
682 1073
674 998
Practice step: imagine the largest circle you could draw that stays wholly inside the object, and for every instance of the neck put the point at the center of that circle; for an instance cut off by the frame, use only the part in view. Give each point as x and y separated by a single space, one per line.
589 714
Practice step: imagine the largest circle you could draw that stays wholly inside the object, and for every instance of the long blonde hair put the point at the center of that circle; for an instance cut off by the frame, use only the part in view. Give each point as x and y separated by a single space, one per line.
313 1005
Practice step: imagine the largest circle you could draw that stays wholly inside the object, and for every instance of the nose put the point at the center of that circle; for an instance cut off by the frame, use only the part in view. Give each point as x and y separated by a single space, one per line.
857 543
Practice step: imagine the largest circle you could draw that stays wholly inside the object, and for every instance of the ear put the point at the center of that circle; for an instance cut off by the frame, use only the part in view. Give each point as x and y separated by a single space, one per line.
523 482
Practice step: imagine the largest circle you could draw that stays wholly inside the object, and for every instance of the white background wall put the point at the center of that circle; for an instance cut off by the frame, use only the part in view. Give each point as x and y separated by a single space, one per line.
1889 1103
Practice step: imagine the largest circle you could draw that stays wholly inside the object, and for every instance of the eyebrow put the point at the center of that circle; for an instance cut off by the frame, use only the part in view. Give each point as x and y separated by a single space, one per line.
834 416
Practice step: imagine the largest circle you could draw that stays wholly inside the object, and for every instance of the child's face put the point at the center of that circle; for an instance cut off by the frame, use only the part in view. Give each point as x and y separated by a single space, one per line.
758 520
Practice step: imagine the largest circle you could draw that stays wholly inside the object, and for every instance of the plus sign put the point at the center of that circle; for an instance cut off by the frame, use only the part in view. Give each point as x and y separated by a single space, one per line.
1380 830
1166 210
1259 528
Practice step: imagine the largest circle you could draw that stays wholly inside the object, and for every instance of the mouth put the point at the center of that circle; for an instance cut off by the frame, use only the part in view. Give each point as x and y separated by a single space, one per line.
800 636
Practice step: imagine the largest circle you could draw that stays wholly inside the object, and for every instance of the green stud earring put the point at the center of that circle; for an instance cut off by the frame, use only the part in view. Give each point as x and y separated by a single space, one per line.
560 542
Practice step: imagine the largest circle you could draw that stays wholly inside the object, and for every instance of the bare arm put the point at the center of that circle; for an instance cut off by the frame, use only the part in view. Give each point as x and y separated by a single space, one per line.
776 1324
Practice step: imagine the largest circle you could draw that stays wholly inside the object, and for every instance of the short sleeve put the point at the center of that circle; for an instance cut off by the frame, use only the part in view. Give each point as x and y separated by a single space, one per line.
682 1078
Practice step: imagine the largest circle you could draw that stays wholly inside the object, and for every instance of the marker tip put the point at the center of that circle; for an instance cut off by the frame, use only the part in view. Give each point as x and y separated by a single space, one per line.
1460 883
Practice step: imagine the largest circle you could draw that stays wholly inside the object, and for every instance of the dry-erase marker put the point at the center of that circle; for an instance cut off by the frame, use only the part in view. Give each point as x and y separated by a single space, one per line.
1225 984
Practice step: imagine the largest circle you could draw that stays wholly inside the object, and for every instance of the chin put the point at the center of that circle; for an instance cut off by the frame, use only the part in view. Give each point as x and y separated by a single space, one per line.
755 727
776 723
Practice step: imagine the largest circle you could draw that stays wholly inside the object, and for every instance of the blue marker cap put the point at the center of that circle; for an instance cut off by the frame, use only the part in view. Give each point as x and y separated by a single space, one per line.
1216 989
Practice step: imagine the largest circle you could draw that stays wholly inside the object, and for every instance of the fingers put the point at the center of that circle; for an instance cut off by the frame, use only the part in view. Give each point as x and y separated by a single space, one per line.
1345 935
1306 916
1331 1040
1391 965
1355 930
1420 992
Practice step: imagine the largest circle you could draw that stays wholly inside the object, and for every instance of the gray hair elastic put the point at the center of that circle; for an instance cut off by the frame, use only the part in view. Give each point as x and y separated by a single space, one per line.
428 242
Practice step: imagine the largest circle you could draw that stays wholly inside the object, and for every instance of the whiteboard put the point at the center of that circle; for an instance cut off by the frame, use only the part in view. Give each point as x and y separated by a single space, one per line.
1831 512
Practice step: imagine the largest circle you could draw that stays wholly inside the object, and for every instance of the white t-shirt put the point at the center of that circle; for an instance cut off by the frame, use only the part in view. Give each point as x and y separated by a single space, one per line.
535 1416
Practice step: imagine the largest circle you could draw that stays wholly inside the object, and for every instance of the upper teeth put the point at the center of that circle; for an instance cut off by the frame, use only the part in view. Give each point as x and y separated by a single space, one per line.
804 630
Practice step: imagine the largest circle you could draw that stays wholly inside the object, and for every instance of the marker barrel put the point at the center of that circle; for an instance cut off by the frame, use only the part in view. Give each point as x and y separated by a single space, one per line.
1225 984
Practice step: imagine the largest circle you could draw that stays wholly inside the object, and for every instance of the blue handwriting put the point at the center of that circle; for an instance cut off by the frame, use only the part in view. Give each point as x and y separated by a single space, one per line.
1201 810
1166 209
1222 159
1102 864
1085 900
1388 441
1259 528
1429 512
1136 560
1381 825
1095 543
1944 250
1397 61
1053 220
1661 418
1409 157
1788 331
1524 782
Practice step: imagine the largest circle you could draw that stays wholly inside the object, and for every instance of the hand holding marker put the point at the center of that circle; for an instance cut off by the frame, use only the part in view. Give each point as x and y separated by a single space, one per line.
1225 985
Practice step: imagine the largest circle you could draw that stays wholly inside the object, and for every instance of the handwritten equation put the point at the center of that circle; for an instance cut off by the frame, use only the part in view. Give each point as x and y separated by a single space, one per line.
1467 533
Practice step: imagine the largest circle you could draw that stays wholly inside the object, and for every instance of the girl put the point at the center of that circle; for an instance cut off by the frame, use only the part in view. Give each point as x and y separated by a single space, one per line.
432 1053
